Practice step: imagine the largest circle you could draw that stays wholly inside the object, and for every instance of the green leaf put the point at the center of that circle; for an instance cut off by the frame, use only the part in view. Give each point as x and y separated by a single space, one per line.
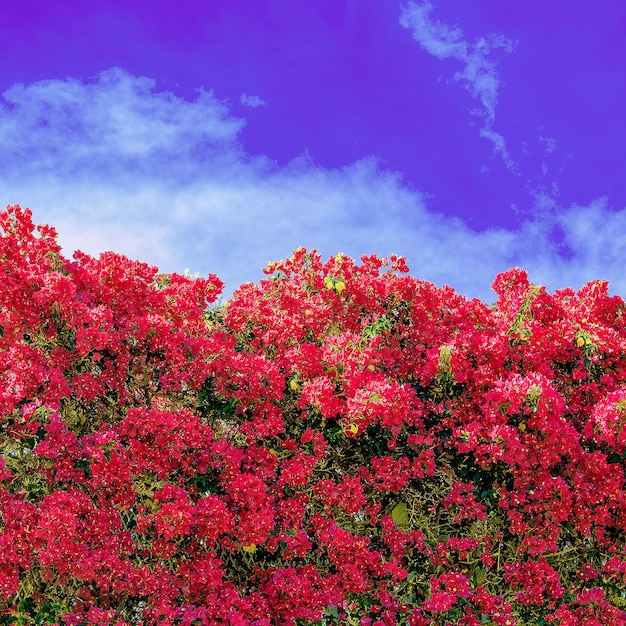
479 577
400 515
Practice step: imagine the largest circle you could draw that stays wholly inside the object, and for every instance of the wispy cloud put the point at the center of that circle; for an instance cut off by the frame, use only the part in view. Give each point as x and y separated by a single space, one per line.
116 165
251 101
478 73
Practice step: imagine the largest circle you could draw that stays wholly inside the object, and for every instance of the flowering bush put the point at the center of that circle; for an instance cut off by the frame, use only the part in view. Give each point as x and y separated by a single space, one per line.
341 443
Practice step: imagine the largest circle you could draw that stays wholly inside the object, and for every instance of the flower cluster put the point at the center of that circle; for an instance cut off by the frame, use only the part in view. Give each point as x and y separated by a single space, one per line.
341 443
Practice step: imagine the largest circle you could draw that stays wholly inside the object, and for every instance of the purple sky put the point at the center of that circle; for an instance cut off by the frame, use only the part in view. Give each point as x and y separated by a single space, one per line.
476 135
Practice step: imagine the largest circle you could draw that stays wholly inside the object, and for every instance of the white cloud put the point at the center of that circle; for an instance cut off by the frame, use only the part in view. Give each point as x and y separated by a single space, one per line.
251 101
479 74
597 236
119 166
54 123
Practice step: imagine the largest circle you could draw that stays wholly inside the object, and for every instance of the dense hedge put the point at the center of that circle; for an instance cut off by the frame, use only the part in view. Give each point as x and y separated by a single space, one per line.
341 444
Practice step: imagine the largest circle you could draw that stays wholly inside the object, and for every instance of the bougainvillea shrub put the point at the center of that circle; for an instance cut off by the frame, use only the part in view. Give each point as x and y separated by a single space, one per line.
339 444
